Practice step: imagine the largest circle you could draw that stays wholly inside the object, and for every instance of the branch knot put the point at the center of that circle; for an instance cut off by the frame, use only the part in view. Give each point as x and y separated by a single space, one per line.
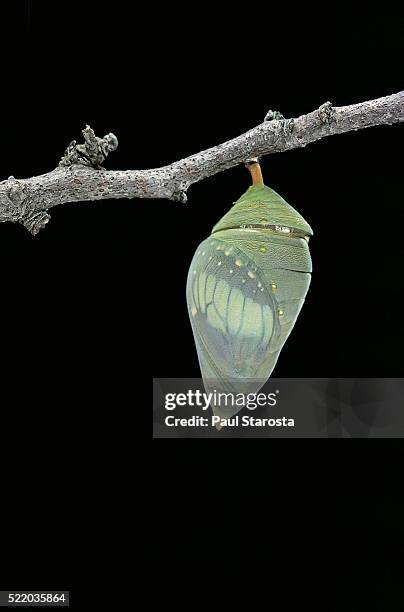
326 113
180 192
35 221
19 209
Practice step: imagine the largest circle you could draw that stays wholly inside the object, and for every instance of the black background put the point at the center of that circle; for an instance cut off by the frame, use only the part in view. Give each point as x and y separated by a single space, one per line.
94 305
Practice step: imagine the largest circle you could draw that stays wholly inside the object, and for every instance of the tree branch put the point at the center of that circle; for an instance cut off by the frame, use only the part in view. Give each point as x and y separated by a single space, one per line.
80 176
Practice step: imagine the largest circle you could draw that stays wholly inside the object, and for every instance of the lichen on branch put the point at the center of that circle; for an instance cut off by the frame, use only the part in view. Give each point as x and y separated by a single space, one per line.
93 152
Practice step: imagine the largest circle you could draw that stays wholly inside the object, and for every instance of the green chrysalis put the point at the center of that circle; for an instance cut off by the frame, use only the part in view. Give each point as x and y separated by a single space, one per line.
246 285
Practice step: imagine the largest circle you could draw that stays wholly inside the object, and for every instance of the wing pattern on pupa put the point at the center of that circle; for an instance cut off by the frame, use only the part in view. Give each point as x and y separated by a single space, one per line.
233 316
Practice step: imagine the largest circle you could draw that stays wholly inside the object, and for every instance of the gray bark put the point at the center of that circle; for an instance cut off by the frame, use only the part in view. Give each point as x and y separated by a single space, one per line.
81 177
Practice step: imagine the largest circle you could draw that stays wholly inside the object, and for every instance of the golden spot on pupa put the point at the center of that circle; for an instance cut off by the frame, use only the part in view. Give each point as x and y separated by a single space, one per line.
251 274
280 312
259 285
264 221
274 286
219 263
263 249
193 311
227 252
238 263
218 248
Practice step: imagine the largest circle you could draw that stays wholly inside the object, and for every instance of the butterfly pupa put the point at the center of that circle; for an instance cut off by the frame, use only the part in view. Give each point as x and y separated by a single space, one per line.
246 286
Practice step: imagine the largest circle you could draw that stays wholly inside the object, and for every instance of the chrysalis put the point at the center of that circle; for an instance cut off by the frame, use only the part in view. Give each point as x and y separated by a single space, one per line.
246 286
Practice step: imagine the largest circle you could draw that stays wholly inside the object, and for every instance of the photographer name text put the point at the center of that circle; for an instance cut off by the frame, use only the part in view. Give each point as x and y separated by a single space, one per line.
236 421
